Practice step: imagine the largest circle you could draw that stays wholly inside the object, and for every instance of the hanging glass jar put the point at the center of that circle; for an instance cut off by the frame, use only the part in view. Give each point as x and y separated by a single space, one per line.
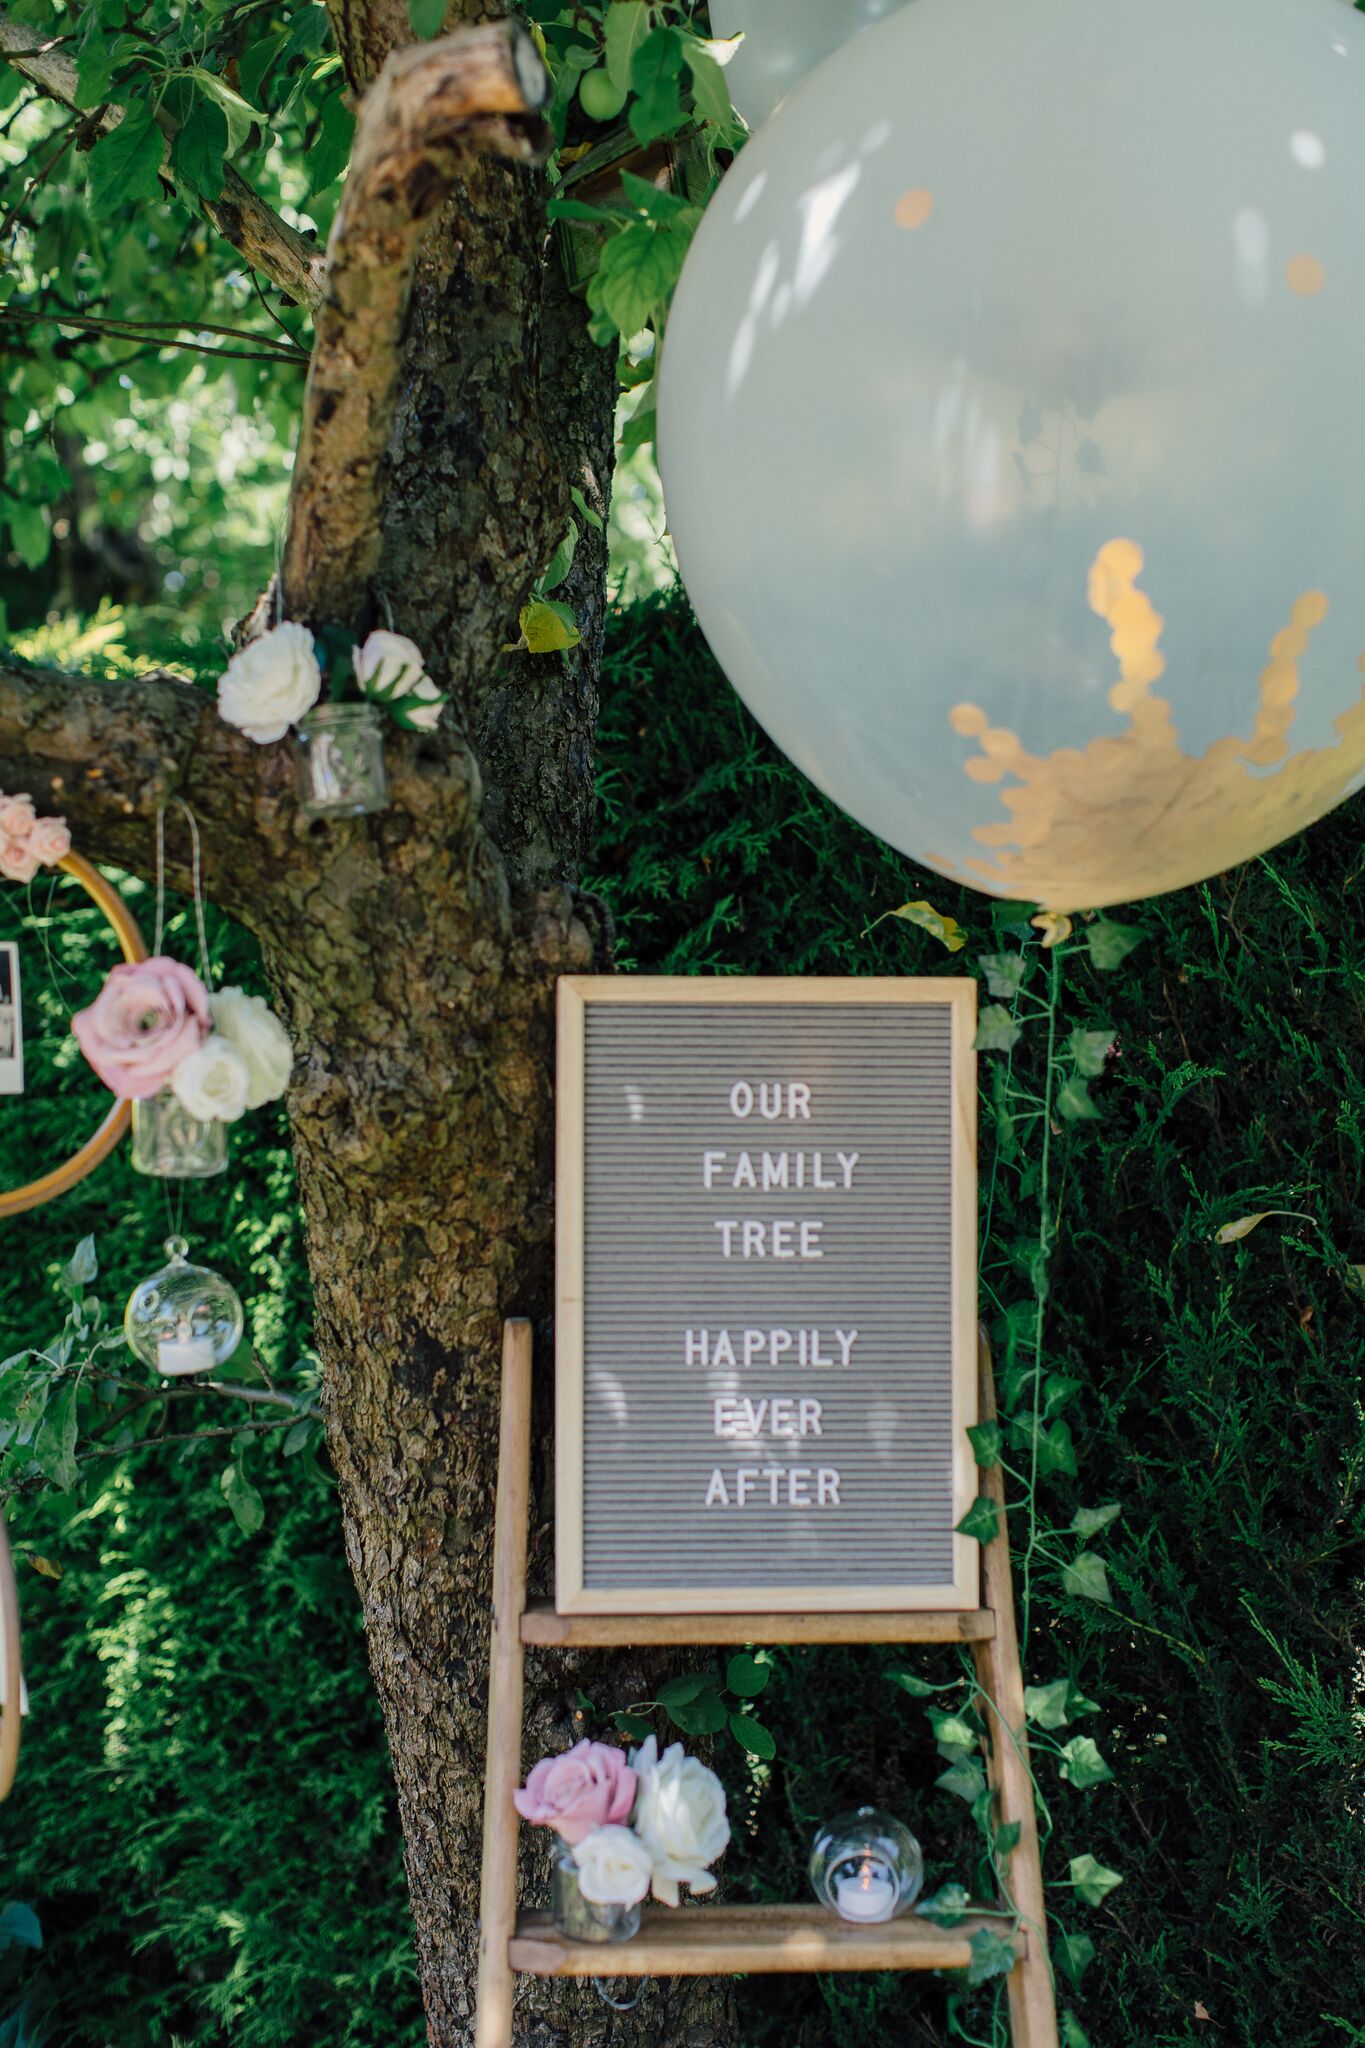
340 753
183 1318
577 1918
866 1866
170 1144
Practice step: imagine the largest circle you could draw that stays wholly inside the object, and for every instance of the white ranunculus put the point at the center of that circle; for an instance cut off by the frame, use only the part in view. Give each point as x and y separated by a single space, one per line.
680 1818
271 683
390 665
251 1027
614 1867
212 1083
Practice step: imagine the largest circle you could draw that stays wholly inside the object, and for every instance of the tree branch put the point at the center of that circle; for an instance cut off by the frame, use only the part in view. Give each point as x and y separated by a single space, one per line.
433 107
268 243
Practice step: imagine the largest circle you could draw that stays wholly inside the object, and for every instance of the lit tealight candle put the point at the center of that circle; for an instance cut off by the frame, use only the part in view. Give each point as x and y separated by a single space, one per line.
871 1895
184 1352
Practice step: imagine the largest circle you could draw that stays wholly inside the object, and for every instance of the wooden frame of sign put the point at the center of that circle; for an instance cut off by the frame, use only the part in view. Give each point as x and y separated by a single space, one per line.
766 1217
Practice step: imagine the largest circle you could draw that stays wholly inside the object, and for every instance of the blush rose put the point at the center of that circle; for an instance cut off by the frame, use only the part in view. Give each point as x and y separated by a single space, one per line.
590 1786
150 1015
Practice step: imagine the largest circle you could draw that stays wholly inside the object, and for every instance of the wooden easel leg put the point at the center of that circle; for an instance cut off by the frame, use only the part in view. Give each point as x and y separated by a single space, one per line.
1033 2005
506 1668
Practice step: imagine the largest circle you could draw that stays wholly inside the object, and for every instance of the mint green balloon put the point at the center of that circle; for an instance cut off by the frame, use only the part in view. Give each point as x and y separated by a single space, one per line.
783 40
1011 427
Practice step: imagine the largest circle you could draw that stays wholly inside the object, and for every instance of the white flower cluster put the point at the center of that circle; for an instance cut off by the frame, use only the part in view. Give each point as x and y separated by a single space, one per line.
243 1062
678 1829
274 682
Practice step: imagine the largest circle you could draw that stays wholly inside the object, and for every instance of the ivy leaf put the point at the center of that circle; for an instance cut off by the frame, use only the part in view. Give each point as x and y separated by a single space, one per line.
1073 1102
746 1677
1090 1050
1091 1879
248 1509
980 1520
124 164
1073 2033
80 1269
656 79
1005 973
752 1736
1088 1522
1056 1452
626 25
239 113
986 1441
546 628
1110 944
956 1738
966 1781
198 150
639 267
949 1905
331 151
917 1688
996 1030
426 18
633 1726
1048 1704
1083 1766
1058 1389
19 1927
992 1956
1074 1953
1087 1578
1007 1838
676 1692
933 921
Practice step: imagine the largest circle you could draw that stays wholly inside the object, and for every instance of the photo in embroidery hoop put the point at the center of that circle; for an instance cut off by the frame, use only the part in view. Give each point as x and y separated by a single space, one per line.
33 920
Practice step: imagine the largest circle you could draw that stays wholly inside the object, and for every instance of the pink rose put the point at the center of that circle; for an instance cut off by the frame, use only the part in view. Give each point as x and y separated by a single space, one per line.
18 861
17 817
590 1786
50 841
149 1016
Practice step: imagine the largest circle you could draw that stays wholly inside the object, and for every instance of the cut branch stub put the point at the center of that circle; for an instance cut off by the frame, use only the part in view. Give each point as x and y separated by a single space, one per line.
432 108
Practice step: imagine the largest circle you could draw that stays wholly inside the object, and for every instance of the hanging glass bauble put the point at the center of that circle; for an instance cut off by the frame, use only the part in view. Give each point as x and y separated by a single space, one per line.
185 1318
1010 434
866 1866
783 40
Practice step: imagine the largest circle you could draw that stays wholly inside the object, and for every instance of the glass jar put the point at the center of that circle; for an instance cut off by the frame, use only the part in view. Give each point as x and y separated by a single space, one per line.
866 1866
171 1144
577 1918
340 753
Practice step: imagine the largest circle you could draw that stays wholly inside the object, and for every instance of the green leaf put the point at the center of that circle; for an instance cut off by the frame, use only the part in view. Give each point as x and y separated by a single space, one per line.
626 27
248 1509
1083 1766
239 112
946 929
1073 1953
55 1444
426 18
547 628
1073 2033
633 1726
965 1781
124 164
19 1927
746 1677
1090 1050
257 61
331 151
656 81
996 1030
30 532
80 1269
710 93
992 1956
198 150
1088 1522
1058 1390
956 1738
752 1736
949 1905
95 72
583 1703
1005 972
1092 1880
656 202
1056 1452
986 1441
917 1688
1007 1838
980 1520
561 561
1087 1578
585 511
296 1437
705 1715
676 1692
639 267
1111 943
1048 1704
1073 1102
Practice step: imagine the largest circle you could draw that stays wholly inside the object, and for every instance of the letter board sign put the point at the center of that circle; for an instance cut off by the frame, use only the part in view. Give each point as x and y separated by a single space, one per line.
766 1295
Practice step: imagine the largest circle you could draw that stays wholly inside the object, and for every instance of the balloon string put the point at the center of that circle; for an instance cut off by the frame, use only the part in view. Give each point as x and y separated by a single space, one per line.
205 973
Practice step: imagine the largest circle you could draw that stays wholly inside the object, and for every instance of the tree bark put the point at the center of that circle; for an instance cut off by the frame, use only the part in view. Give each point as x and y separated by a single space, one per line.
414 956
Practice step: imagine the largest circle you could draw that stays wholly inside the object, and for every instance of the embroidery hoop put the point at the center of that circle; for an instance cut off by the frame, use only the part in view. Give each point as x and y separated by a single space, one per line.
14 1201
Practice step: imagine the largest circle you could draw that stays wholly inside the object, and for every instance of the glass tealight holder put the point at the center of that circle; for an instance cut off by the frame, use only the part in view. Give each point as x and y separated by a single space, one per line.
170 1144
577 1918
340 753
866 1866
183 1319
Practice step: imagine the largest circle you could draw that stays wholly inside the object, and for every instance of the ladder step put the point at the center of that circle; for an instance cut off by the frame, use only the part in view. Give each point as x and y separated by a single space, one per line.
540 1624
719 1941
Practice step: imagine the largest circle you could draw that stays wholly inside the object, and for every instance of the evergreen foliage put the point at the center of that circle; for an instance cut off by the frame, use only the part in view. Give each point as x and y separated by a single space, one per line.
204 1822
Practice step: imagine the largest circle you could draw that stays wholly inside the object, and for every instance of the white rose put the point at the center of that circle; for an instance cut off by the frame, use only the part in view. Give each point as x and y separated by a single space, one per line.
212 1083
613 1867
252 1029
391 668
271 683
680 1818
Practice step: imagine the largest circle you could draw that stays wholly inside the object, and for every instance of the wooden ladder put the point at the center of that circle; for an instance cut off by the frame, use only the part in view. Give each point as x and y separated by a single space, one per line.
717 1940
